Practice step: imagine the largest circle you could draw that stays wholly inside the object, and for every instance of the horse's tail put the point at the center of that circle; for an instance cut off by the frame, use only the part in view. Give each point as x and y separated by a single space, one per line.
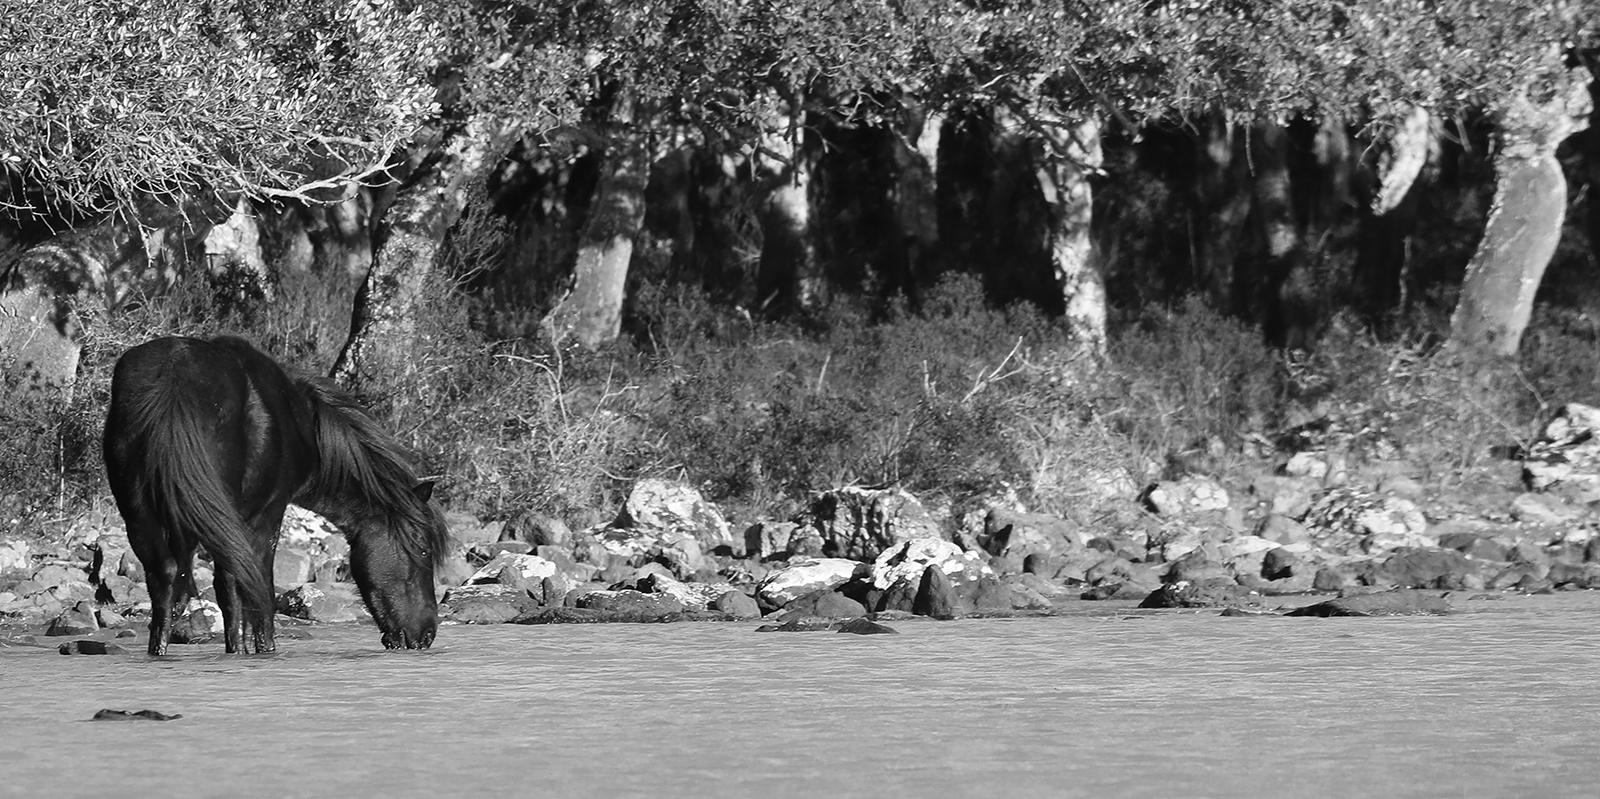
182 483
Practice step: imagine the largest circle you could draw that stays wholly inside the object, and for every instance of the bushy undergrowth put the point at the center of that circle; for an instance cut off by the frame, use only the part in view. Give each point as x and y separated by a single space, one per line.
953 401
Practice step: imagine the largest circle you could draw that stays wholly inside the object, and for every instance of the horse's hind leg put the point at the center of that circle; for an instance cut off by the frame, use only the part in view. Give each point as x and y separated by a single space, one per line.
228 600
163 578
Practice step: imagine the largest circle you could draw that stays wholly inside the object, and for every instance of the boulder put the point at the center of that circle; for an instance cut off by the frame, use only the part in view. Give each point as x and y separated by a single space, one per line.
521 571
629 604
1186 496
290 566
1429 568
537 529
1384 603
1201 594
1195 567
1349 520
76 620
322 603
198 623
486 603
860 523
823 604
89 646
935 595
864 626
1283 530
805 575
1567 455
908 560
633 547
693 596
736 604
672 506
1015 537
15 558
1541 509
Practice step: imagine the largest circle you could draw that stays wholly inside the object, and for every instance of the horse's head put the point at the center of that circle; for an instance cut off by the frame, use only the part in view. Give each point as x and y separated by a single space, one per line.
392 558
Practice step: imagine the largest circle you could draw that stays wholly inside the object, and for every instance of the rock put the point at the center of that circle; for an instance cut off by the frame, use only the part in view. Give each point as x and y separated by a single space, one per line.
1348 519
900 597
627 603
1545 509
737 604
909 559
486 603
864 626
801 625
1384 603
521 571
137 715
1195 567
322 603
76 620
693 596
1517 574
823 604
1584 576
1288 497
199 623
860 523
1478 546
109 619
128 566
671 506
119 590
806 575
1280 563
633 547
1313 465
1428 568
290 567
935 595
467 530
1567 455
1399 485
1203 594
1186 496
87 646
1284 530
1037 584
15 557
538 530
1015 537
766 539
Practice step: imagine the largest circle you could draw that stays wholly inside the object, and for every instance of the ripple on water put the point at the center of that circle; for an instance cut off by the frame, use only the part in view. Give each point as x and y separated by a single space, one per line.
1493 701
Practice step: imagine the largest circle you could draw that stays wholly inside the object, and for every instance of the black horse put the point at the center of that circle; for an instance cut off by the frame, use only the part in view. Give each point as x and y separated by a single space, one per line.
206 443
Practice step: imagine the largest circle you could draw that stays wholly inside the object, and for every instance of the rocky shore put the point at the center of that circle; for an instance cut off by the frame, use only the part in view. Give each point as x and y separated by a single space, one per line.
1312 537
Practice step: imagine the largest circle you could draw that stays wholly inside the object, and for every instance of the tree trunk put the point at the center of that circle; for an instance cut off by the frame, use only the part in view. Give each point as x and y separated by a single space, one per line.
789 274
916 152
1222 205
382 325
592 311
1063 176
1524 226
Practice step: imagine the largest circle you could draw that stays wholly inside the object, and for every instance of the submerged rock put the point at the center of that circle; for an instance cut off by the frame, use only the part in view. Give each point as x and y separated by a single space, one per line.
864 626
1402 602
88 646
134 715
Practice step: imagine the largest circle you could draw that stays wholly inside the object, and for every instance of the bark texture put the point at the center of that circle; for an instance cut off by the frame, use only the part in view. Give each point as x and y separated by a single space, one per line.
382 325
1073 154
1524 225
790 274
591 312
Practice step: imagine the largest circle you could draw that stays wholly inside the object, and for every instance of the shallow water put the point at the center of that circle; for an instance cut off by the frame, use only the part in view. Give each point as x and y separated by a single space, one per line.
1498 700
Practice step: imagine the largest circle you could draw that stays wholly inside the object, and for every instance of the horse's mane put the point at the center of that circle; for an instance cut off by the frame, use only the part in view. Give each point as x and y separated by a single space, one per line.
359 460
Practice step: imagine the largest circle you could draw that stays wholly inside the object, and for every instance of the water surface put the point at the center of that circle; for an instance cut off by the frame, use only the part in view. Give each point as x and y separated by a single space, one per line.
1498 700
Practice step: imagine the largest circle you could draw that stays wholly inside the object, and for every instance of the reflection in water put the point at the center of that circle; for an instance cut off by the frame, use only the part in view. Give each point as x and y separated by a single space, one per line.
1494 701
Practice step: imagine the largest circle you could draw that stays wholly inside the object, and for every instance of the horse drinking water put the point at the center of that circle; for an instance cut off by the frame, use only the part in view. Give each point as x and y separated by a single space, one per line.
207 442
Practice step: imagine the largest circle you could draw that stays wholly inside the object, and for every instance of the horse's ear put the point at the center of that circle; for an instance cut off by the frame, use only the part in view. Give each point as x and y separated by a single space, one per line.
423 490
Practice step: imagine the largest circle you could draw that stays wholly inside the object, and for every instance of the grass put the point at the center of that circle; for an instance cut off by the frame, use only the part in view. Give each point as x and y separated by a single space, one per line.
956 401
